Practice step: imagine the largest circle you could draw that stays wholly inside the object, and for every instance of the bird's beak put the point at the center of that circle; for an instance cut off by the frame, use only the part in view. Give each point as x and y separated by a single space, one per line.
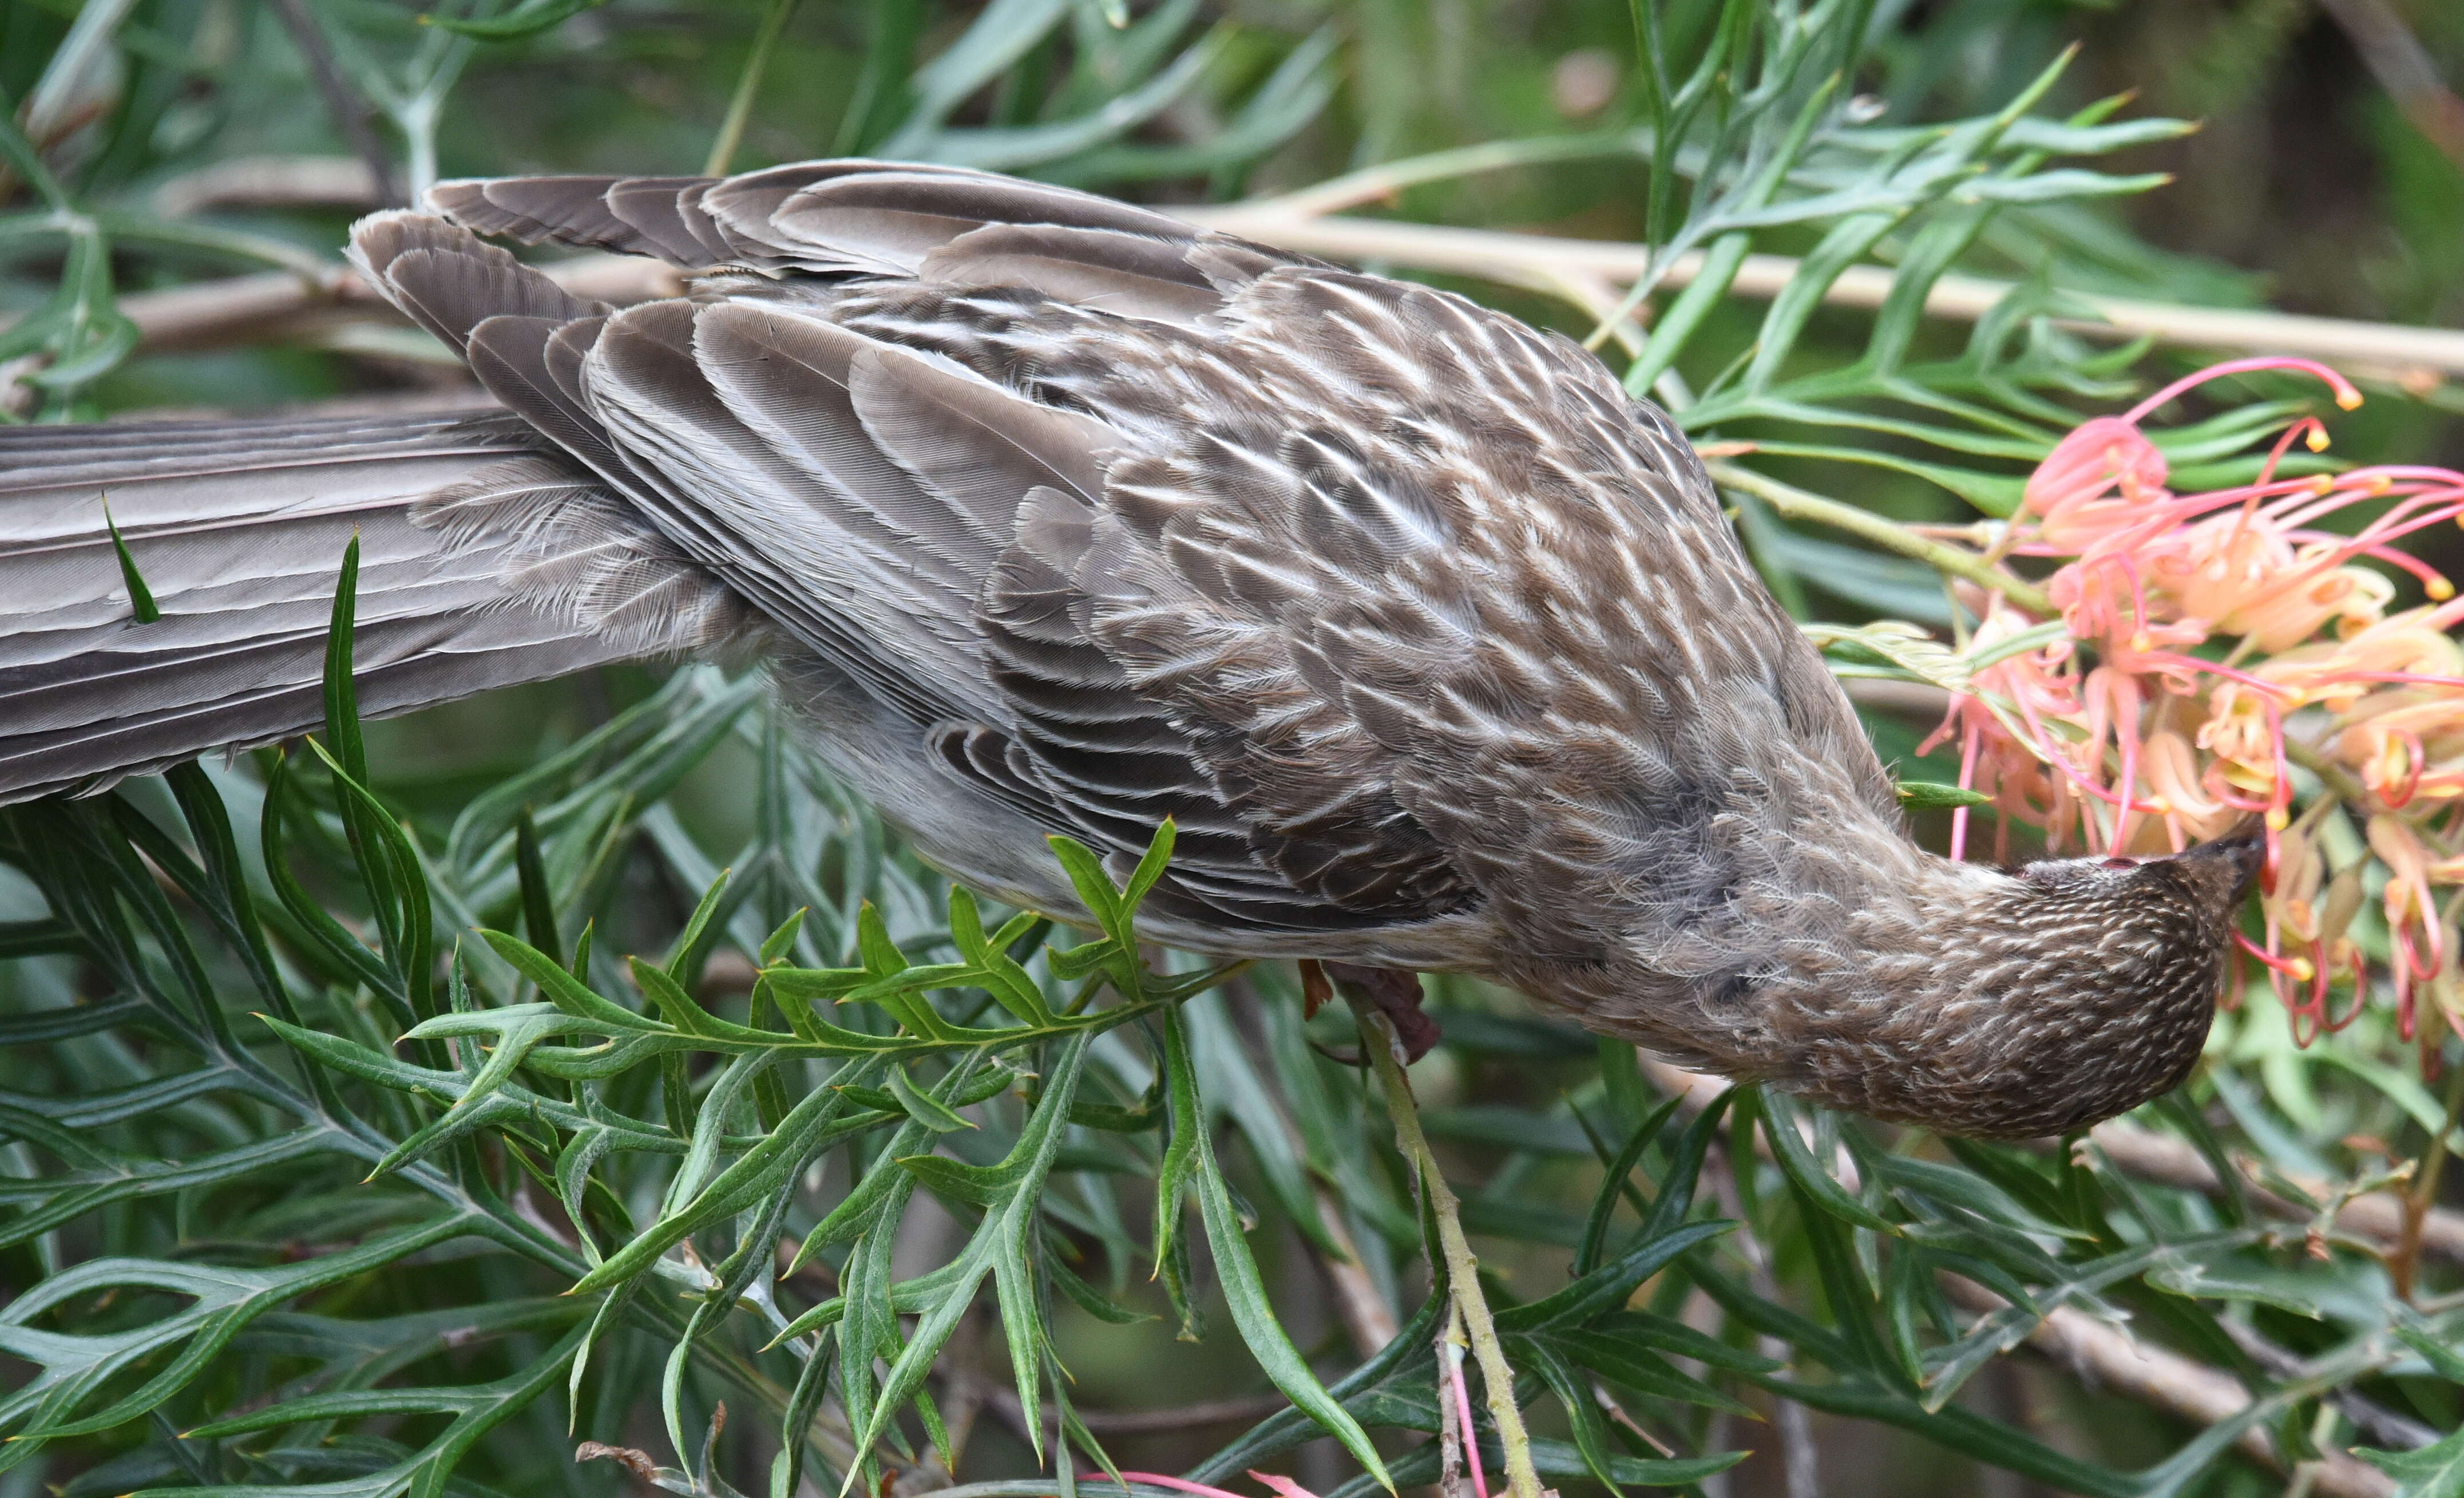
2233 859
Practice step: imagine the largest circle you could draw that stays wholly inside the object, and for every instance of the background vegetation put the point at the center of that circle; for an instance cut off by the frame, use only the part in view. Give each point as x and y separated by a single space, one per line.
301 1169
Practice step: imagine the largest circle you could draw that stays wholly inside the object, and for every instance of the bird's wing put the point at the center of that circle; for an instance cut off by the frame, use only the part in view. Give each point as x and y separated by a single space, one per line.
1396 605
874 218
1441 615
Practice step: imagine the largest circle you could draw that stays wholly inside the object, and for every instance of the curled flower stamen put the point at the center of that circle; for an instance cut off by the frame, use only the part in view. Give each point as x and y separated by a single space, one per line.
2346 396
2200 625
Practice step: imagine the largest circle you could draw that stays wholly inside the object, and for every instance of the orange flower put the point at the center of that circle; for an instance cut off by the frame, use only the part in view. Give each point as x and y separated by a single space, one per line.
2194 808
2096 482
2209 632
2417 937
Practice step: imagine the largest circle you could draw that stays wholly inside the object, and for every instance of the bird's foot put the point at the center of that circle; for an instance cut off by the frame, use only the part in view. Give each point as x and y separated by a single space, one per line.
1393 992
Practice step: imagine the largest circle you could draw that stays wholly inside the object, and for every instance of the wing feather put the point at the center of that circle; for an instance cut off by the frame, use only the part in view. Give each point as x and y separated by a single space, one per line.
569 210
1038 472
767 524
449 281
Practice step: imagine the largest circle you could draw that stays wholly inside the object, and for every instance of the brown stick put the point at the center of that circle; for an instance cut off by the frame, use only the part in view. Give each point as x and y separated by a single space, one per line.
2387 349
1366 1319
351 113
280 305
238 310
271 182
2376 1216
2108 1357
2403 67
2168 1161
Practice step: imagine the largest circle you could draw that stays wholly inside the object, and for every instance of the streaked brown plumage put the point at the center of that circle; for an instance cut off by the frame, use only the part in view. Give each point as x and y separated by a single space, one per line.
1050 514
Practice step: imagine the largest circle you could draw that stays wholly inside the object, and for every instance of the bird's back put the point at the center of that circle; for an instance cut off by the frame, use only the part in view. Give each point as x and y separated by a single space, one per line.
1060 515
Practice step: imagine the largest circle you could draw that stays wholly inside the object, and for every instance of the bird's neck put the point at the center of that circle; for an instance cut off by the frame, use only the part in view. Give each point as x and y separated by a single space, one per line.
1859 970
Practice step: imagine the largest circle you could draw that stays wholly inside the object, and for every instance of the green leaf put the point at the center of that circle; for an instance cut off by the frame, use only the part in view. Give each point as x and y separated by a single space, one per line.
1000 1248
688 1016
141 598
1935 796
529 18
684 959
538 902
1087 877
1150 869
476 1410
776 946
920 1105
341 700
2434 1472
562 988
1245 1291
1595 1231
1607 1286
100 1177
753 1176
74 1370
1784 1124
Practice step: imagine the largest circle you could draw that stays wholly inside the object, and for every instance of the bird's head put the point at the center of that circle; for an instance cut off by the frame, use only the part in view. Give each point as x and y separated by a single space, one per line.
1870 976
2038 999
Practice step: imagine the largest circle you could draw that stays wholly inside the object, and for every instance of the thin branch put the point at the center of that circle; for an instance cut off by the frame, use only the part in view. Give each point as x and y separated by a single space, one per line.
1798 505
1800 1460
1366 1319
748 88
2403 67
1003 1400
1463 1268
271 181
351 113
1381 182
2108 1357
2377 1424
2384 349
2376 1216
2113 1359
279 305
2422 1200
1552 265
2165 1160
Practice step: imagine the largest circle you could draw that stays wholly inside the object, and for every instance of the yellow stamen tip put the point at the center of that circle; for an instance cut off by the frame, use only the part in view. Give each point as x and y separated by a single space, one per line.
2349 400
2302 971
2277 820
2316 440
2440 589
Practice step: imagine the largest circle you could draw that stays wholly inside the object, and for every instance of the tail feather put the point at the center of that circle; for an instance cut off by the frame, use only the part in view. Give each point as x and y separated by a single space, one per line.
239 529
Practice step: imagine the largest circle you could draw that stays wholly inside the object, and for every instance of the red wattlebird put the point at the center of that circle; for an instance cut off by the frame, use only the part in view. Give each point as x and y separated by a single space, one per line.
1048 514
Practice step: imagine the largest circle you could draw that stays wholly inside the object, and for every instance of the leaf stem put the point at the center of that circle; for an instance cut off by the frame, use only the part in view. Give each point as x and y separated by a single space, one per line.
2338 779
1463 1268
748 88
1796 504
2424 1194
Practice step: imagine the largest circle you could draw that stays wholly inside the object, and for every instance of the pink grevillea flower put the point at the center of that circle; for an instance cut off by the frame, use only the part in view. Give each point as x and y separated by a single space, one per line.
2215 637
